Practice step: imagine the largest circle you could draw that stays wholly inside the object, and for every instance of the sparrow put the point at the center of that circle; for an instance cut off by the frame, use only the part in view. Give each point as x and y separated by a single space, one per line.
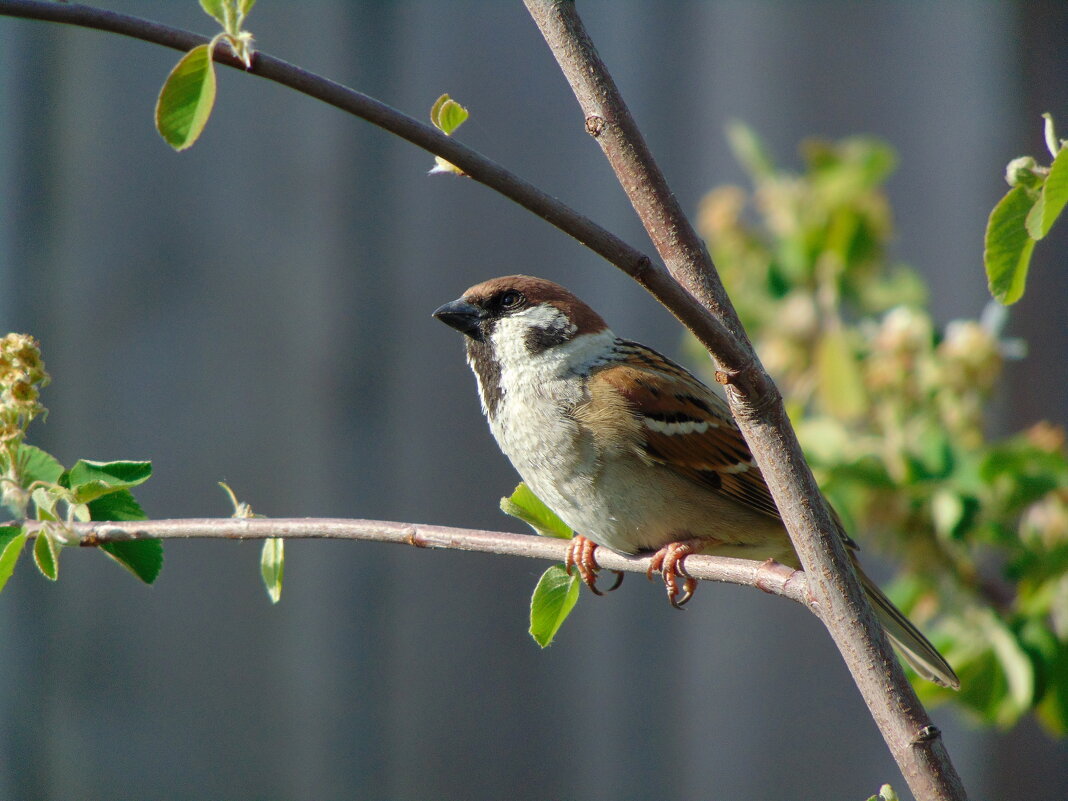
632 451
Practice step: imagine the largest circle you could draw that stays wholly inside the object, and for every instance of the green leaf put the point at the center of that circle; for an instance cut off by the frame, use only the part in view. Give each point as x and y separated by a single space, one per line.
12 538
1007 254
749 150
272 567
245 6
37 465
46 556
1019 671
186 99
447 115
143 558
529 508
1052 198
45 499
553 599
1053 710
113 474
118 505
216 9
841 387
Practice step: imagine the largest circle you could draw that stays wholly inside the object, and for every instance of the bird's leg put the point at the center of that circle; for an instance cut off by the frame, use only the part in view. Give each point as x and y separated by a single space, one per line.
668 561
580 556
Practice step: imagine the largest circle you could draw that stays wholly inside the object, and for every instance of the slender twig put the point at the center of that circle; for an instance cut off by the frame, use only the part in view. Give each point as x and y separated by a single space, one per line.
606 244
768 576
758 408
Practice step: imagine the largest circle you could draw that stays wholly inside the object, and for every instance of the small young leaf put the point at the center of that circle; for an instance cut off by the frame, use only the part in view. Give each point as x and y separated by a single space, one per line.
45 499
12 538
529 508
553 599
36 465
245 6
216 9
187 97
1007 254
749 150
272 566
447 115
143 558
45 555
1051 199
1049 134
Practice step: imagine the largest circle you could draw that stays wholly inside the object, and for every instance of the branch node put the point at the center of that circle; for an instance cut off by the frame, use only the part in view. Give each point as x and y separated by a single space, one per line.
641 267
411 536
927 734
595 125
772 577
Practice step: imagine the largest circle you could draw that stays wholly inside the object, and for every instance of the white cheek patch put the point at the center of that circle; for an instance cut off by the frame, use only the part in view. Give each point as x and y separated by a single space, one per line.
672 429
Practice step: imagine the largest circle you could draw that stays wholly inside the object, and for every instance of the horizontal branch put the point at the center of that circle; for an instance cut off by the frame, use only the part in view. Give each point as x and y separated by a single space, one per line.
770 577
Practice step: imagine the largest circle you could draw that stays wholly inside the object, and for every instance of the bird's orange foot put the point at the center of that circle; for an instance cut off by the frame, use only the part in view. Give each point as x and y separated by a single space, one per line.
668 561
580 556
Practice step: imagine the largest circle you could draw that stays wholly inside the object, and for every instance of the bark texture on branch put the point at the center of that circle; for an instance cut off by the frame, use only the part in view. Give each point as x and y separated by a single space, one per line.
770 577
757 406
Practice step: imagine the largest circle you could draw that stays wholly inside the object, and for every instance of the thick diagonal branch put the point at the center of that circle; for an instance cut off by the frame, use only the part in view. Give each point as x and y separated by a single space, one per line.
758 408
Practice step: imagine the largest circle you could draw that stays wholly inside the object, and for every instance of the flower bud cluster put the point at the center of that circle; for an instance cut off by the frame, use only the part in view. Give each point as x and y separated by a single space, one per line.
22 374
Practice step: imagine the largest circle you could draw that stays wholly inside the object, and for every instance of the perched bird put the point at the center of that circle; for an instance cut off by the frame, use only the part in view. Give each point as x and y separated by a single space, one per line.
627 447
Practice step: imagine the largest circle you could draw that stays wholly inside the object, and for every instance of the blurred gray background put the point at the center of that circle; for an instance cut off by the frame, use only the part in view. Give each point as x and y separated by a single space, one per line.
258 310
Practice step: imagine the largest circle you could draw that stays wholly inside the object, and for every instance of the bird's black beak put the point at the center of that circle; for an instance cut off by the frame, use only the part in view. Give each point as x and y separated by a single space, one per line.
463 316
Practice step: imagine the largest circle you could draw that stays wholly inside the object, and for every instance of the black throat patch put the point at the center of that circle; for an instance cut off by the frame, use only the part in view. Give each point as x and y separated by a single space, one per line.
488 370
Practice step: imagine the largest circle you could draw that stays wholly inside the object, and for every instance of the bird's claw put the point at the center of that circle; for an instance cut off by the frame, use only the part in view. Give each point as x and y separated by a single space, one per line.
580 556
669 563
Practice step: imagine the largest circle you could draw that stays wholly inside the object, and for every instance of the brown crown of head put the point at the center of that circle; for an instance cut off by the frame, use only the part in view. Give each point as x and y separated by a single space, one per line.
533 292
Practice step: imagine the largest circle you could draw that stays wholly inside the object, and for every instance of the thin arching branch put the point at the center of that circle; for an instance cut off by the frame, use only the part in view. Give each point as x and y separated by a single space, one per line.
482 169
769 577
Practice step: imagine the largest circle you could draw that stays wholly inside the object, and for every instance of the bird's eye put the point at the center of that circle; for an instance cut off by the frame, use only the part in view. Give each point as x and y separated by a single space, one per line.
511 299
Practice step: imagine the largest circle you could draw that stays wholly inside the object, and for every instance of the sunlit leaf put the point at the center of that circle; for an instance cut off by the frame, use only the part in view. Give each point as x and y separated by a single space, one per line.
1052 198
1007 254
553 599
187 97
216 9
12 538
272 567
45 555
447 115
529 508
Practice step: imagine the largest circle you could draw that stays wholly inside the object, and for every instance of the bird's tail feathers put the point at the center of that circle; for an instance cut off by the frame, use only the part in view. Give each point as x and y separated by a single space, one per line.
911 644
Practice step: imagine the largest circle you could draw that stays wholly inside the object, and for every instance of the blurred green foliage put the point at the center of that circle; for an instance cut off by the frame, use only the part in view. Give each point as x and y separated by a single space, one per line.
892 414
